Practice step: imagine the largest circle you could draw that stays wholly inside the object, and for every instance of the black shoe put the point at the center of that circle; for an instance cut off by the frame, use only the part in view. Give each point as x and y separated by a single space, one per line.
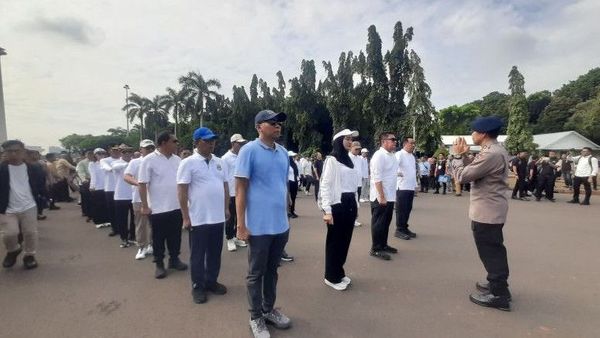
380 254
199 296
489 300
573 201
293 215
287 258
436 192
54 207
29 262
11 258
112 234
402 234
217 288
524 198
177 264
514 197
484 287
160 272
552 199
537 199
124 244
410 233
585 203
389 249
41 217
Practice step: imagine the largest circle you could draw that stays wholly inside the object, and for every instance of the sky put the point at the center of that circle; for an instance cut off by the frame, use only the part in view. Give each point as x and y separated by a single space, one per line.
68 61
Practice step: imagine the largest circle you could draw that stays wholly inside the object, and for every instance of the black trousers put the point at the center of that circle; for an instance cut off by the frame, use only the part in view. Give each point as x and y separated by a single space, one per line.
86 196
110 207
489 241
404 205
545 183
381 217
230 225
264 255
439 185
206 244
520 187
123 216
577 182
99 209
293 188
166 228
424 183
339 235
316 190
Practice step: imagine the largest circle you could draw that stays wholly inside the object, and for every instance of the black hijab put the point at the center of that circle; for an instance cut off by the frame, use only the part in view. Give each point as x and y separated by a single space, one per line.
340 153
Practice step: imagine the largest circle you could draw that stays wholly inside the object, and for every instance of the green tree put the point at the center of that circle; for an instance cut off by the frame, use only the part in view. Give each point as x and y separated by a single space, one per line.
376 103
175 101
157 117
338 90
586 119
398 61
556 114
456 120
200 90
519 136
137 107
536 103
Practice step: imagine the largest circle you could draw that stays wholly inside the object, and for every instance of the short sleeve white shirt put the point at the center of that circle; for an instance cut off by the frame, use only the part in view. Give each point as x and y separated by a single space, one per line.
123 191
160 174
133 169
230 159
357 167
206 192
20 197
384 169
364 167
407 171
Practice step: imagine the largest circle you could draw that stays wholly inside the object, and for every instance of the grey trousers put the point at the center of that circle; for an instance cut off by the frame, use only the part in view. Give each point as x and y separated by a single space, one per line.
264 254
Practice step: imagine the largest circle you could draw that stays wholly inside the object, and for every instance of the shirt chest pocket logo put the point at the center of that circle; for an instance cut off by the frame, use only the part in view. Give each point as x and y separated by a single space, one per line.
219 168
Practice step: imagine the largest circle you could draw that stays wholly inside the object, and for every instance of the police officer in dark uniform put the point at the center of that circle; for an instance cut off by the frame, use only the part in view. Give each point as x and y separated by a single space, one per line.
488 175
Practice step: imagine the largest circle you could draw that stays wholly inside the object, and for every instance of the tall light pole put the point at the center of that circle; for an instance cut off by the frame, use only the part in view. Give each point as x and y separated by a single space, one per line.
3 136
126 86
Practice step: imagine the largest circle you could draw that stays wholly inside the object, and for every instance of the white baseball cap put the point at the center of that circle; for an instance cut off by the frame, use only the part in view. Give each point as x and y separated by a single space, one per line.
291 153
146 143
364 150
99 151
237 138
344 133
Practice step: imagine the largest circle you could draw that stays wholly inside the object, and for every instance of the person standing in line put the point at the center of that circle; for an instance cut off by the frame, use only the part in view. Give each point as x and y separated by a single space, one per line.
441 180
566 168
364 168
339 201
532 173
384 170
424 168
97 178
203 195
586 170
354 155
261 202
230 159
519 168
406 186
488 174
123 197
83 172
546 177
307 174
142 223
20 184
110 182
293 173
158 191
32 157
317 171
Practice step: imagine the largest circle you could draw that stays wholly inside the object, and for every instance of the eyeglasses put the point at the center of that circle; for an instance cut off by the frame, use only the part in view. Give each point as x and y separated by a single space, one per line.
392 139
274 123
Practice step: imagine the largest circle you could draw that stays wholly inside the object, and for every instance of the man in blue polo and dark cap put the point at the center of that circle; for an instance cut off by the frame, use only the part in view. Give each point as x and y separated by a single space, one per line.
488 175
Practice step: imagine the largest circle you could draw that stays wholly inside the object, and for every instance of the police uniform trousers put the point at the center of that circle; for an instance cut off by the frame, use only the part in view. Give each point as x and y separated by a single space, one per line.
489 241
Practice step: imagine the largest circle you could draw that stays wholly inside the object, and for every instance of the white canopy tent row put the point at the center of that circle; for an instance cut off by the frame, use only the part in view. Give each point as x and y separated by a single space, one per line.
561 141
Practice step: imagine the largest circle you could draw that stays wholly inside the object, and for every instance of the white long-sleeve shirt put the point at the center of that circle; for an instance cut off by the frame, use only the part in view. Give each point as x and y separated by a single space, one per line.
364 167
336 179
407 171
384 169
97 176
110 182
584 169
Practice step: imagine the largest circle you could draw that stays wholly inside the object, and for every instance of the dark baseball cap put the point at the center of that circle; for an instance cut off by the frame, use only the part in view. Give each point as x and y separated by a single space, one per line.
269 115
487 124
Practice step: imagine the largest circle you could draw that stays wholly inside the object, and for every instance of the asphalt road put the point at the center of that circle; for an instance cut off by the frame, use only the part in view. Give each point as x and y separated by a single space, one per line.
86 286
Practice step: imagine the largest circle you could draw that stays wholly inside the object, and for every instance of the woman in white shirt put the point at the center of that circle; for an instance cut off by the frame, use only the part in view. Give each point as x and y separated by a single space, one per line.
339 202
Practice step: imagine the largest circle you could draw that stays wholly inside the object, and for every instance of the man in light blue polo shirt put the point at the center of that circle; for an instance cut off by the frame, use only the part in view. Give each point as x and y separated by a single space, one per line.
261 203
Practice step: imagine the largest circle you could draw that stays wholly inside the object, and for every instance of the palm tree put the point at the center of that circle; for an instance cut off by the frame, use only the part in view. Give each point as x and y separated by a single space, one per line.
176 101
157 117
137 107
200 90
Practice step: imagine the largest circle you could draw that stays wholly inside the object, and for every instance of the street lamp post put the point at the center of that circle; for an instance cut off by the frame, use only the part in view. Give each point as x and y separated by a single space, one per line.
127 103
3 135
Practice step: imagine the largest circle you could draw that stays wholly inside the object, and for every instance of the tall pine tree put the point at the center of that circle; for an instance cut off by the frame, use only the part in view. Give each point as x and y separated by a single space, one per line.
519 135
399 69
376 103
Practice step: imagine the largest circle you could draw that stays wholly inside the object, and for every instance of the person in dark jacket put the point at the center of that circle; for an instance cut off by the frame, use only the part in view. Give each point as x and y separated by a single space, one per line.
21 184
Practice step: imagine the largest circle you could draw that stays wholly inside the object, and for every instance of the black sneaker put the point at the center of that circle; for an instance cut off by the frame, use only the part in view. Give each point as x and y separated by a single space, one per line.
389 249
411 234
177 264
199 296
573 201
217 288
160 271
287 258
11 258
29 262
380 254
584 203
112 234
489 300
402 234
484 287
124 244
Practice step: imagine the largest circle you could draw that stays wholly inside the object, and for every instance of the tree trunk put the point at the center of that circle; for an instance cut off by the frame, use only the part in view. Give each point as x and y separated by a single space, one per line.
176 120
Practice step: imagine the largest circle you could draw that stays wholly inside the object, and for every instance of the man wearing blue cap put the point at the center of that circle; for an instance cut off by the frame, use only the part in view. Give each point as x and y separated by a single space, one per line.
261 203
204 199
488 175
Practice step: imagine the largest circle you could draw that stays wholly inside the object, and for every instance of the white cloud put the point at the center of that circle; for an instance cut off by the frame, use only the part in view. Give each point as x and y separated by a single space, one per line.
67 62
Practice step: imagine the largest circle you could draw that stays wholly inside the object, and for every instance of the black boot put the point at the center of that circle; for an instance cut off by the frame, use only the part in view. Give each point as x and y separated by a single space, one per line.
177 264
160 272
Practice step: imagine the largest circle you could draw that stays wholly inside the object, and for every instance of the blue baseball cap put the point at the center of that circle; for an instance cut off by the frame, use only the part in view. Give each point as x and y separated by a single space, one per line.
269 115
487 124
204 133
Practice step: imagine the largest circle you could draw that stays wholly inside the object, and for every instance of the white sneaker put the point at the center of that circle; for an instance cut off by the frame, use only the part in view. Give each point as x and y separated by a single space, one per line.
149 250
106 225
362 200
346 280
357 224
101 225
240 243
141 254
231 245
336 286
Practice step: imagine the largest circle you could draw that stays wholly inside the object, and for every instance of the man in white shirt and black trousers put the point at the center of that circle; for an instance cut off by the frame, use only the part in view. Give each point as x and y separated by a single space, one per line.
158 191
204 199
406 185
585 172
384 170
230 159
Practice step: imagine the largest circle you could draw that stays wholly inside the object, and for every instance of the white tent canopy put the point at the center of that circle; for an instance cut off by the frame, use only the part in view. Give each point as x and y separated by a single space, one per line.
565 140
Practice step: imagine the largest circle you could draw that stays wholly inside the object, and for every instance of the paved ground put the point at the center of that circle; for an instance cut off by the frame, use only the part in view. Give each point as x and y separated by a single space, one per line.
86 286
